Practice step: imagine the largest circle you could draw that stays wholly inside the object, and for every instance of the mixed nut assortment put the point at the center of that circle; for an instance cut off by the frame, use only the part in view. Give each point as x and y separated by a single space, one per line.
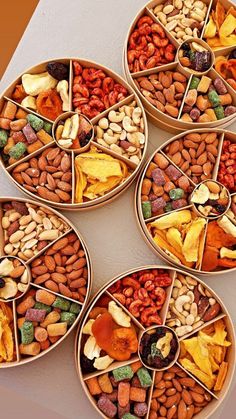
44 267
183 19
166 39
123 131
194 57
155 362
47 125
190 305
14 278
186 200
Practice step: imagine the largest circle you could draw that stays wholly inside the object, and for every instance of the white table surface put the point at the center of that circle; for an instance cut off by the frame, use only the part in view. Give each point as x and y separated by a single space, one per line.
94 30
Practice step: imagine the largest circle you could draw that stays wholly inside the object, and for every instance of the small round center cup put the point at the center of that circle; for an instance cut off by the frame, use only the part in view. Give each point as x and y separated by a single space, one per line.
142 345
60 121
202 44
206 204
17 280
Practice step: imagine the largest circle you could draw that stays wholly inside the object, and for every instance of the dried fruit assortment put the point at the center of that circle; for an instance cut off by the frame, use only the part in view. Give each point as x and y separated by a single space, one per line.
72 134
45 279
186 203
220 30
14 278
174 39
173 368
225 66
194 57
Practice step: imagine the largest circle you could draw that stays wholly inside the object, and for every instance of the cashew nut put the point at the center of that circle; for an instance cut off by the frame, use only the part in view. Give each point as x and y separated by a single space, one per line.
36 83
115 127
123 135
114 116
99 132
136 115
29 102
136 138
62 89
127 125
109 139
183 330
181 301
103 123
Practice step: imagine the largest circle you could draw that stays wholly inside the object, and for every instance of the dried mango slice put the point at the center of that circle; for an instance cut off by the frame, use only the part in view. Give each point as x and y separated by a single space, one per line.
210 31
172 220
192 240
174 238
219 15
209 381
227 27
198 349
221 376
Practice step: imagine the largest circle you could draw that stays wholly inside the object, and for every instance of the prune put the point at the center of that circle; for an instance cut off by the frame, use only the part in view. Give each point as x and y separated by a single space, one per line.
232 55
59 71
220 208
87 364
2 283
84 138
202 61
186 47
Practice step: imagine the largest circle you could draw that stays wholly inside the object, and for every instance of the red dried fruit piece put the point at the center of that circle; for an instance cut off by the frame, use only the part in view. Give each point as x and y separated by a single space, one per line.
49 104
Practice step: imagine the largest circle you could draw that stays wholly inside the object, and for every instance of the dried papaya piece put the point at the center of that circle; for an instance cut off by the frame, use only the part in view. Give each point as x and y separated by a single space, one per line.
49 104
123 343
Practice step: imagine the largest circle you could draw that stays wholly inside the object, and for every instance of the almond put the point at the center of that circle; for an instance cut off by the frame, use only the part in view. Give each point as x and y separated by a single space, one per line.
46 194
65 163
53 153
41 278
78 283
51 181
64 196
198 398
50 263
52 286
65 290
80 263
207 167
170 401
58 278
60 244
13 228
64 186
202 159
43 178
68 250
27 179
74 274
17 272
182 410
21 167
186 396
32 172
39 270
212 149
174 147
42 163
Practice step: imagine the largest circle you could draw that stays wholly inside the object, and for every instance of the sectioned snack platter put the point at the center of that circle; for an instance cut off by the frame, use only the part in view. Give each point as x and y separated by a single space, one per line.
185 201
155 342
179 57
73 134
45 280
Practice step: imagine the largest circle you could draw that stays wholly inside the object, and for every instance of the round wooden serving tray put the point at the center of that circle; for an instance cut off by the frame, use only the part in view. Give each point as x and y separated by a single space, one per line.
162 118
51 276
147 226
173 283
41 187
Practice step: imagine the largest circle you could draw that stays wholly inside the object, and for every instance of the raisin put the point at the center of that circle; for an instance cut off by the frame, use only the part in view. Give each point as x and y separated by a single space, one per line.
57 70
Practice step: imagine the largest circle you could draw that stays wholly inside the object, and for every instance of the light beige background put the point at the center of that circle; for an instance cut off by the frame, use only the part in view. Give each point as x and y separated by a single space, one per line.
95 30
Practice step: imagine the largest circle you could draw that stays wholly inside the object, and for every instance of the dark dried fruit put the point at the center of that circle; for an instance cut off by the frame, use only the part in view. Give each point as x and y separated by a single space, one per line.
87 364
2 283
232 55
58 70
